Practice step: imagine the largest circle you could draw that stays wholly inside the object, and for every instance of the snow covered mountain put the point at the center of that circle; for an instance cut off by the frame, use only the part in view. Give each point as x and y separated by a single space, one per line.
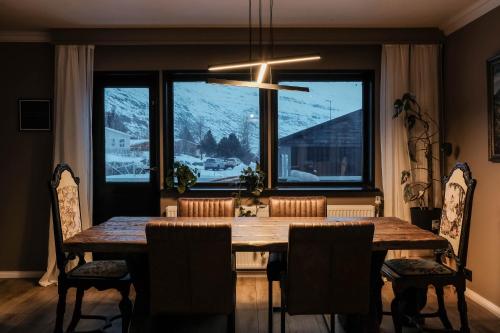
225 109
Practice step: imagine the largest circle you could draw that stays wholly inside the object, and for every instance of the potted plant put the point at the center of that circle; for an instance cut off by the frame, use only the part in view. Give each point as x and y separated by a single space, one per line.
253 180
185 176
421 139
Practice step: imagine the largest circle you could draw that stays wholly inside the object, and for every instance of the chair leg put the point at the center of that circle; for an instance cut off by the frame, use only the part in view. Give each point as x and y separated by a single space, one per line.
462 308
283 311
396 316
270 307
332 323
77 312
61 307
231 323
441 309
125 308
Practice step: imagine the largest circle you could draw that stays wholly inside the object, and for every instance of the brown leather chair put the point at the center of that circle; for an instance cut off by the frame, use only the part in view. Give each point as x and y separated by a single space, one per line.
313 206
205 207
192 277
328 270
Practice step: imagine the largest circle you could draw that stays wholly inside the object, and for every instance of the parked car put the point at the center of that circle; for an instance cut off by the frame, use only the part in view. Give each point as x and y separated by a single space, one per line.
232 162
214 164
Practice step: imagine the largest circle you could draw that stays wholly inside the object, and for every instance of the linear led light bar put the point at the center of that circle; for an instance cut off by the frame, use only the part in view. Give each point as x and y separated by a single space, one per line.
254 84
264 62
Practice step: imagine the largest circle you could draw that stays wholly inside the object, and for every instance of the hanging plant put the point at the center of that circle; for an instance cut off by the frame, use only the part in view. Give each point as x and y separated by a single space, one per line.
182 176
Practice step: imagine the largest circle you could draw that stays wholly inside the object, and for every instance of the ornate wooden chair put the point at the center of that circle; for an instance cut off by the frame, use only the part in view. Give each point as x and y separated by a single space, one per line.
200 293
102 275
420 273
205 207
288 207
328 270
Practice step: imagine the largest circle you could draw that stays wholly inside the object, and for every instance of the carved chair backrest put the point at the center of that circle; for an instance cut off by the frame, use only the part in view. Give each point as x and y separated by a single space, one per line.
456 214
66 214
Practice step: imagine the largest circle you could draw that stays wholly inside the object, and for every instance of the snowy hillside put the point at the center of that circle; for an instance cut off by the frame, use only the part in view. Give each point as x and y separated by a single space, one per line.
223 109
130 108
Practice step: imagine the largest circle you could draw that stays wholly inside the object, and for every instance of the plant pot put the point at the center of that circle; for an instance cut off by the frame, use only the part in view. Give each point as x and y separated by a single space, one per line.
423 217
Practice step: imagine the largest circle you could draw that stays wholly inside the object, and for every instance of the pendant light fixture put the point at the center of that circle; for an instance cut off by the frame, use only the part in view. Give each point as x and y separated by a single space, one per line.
263 64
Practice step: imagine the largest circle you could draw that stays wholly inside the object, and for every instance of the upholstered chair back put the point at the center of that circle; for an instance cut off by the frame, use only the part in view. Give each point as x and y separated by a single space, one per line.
297 206
190 268
457 205
205 207
66 215
329 268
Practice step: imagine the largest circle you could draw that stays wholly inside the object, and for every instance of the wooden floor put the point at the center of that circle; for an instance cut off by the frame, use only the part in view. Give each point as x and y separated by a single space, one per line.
26 307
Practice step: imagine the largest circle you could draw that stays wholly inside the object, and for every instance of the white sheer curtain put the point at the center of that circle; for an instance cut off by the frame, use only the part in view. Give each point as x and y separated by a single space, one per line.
393 137
73 130
415 69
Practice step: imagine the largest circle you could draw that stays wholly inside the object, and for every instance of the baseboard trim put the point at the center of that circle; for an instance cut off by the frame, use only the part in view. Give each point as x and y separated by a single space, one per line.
249 273
20 274
485 303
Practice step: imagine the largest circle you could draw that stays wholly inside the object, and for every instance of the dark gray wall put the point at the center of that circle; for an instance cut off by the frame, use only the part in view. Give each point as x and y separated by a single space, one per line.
26 71
466 127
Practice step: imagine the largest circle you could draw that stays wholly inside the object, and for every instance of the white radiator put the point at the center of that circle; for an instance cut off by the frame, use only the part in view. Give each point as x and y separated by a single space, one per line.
351 211
258 260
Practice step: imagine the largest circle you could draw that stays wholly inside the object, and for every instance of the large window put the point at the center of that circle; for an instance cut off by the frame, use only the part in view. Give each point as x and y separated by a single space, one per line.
323 136
216 128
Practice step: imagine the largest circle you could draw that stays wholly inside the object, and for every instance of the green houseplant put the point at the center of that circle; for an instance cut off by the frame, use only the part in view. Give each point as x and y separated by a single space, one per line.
421 138
253 181
185 176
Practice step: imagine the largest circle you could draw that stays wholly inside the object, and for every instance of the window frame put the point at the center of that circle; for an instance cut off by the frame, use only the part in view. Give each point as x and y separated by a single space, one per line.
368 174
171 76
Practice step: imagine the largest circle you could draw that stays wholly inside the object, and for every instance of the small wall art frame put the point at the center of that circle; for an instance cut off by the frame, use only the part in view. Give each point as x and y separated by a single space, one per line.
35 114
493 72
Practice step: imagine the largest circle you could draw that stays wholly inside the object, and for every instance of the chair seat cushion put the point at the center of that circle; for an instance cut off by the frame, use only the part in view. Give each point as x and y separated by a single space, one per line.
275 265
110 269
417 266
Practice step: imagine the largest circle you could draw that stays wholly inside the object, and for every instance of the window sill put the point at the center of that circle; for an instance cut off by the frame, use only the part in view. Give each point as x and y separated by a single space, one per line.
281 190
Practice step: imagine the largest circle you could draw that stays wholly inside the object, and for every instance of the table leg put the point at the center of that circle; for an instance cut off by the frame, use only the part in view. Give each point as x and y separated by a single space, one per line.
139 272
374 318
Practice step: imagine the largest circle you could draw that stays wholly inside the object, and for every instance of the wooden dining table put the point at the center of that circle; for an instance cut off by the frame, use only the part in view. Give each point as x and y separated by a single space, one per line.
126 236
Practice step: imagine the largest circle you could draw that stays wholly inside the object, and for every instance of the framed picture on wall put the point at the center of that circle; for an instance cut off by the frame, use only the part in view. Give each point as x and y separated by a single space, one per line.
35 115
493 70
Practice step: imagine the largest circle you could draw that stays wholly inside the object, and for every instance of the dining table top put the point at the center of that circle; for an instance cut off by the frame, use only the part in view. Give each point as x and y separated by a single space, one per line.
126 234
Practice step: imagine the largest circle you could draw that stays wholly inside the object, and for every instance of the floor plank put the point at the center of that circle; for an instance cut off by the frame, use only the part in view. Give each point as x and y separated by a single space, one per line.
27 307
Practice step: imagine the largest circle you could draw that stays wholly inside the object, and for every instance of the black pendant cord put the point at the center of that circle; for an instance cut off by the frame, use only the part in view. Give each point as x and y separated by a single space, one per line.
271 37
250 42
260 30
271 29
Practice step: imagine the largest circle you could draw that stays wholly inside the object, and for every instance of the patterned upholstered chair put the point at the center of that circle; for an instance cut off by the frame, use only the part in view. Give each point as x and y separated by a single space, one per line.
200 296
102 275
420 273
205 207
288 207
328 270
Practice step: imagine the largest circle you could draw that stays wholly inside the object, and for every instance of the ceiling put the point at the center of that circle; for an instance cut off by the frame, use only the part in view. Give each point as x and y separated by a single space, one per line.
48 14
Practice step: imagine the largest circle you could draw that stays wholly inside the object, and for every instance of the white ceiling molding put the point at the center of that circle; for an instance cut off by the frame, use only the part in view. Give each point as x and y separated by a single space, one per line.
24 37
468 14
